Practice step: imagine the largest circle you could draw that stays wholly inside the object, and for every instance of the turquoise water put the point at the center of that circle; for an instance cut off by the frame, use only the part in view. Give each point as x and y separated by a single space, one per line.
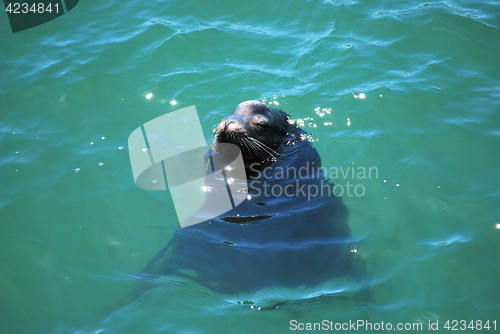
411 88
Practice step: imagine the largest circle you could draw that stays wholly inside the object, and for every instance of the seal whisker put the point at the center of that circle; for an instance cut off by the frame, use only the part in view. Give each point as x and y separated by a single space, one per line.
263 146
246 144
249 147
261 154
265 153
235 139
253 147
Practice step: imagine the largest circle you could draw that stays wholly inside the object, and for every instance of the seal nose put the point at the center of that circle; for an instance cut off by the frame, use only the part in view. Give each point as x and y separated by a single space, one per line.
232 125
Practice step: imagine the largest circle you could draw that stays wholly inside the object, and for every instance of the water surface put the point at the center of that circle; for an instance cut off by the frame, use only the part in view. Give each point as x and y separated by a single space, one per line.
411 88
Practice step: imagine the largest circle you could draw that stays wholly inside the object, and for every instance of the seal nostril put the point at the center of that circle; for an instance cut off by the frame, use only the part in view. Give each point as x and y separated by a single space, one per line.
229 124
234 126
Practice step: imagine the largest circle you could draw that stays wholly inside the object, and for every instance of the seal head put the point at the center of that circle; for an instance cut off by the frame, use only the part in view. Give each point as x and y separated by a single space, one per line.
258 130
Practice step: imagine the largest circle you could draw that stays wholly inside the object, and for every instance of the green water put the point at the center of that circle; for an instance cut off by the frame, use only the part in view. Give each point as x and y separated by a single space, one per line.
411 88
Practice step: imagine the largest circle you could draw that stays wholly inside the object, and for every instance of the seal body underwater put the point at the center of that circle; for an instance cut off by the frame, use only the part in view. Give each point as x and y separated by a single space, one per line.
291 231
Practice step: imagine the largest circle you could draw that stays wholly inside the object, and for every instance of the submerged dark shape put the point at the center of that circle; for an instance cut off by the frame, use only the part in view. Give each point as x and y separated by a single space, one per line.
291 231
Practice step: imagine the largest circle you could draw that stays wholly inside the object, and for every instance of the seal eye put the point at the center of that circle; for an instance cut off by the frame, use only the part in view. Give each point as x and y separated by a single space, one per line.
263 126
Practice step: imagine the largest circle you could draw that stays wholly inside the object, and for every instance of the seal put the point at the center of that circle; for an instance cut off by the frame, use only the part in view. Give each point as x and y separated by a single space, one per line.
291 231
